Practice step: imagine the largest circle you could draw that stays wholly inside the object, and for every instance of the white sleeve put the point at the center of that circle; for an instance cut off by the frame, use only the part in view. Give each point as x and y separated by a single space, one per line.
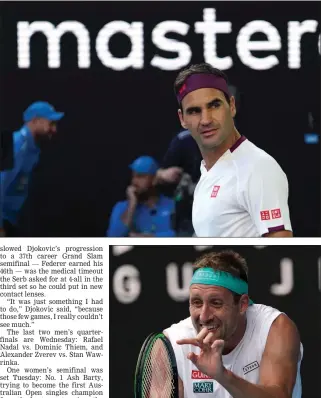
265 197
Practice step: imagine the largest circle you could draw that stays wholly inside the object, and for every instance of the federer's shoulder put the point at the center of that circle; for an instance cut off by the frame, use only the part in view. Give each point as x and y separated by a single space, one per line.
251 159
252 152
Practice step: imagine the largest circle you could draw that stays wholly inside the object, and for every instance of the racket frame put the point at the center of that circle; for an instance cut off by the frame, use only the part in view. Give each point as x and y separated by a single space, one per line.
142 358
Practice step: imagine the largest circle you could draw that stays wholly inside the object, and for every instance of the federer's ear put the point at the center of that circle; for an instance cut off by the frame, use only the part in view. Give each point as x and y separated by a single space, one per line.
232 106
180 115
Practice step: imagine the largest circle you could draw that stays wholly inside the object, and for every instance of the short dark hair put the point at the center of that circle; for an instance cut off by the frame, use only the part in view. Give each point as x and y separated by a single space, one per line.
226 260
196 69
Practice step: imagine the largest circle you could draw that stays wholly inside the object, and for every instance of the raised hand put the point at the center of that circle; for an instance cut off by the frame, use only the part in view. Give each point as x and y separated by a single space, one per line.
209 361
131 194
170 175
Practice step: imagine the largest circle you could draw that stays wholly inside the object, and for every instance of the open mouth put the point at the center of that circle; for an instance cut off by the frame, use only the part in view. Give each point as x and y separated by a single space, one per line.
211 328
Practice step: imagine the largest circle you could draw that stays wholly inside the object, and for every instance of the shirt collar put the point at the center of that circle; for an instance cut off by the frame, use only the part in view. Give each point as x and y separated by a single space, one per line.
230 150
203 167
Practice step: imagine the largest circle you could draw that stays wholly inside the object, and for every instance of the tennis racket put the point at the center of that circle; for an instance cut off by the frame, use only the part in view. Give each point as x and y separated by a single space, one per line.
156 370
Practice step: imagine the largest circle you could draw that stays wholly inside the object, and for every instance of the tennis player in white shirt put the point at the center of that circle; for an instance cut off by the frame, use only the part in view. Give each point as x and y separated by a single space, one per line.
242 192
230 347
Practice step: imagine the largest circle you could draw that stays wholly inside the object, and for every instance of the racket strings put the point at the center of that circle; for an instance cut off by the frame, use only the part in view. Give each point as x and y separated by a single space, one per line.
158 381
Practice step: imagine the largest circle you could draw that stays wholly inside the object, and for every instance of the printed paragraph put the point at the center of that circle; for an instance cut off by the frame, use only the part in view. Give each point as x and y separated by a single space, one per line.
52 320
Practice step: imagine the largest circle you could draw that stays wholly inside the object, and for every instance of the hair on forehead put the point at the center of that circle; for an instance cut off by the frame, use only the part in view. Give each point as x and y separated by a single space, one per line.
226 260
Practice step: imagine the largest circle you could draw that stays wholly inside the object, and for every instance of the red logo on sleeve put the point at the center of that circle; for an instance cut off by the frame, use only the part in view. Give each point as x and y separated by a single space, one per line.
276 213
265 215
215 191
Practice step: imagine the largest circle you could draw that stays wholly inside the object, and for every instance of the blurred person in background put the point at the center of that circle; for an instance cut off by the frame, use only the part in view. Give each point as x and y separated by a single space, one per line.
40 120
145 212
179 173
242 192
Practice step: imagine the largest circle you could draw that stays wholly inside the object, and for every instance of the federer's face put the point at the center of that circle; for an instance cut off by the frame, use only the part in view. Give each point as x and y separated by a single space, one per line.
208 116
213 307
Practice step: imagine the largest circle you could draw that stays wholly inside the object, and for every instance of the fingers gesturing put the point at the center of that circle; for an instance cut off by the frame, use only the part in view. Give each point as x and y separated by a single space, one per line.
204 339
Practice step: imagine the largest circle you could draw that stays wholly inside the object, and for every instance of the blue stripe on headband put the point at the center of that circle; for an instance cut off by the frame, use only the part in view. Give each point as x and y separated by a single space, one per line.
209 276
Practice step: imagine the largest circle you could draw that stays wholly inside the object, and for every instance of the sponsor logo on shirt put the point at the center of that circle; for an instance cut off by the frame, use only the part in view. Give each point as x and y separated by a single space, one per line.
276 213
251 366
215 191
196 374
265 215
203 387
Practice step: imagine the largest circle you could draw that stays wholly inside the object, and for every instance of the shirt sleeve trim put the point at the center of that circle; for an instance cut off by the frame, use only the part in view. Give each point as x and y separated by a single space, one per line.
278 228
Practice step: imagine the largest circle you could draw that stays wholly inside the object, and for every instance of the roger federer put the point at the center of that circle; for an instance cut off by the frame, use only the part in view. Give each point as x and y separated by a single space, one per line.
242 192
